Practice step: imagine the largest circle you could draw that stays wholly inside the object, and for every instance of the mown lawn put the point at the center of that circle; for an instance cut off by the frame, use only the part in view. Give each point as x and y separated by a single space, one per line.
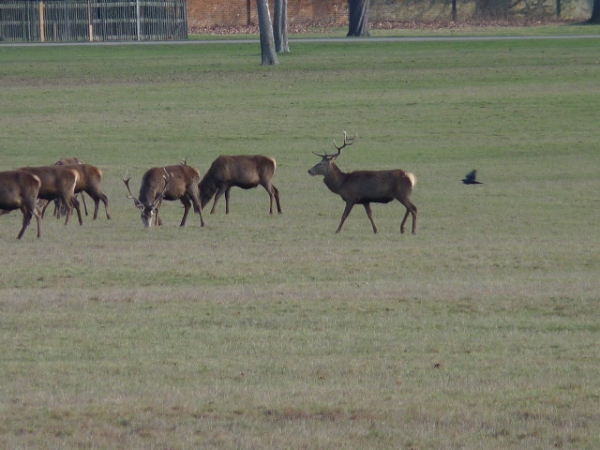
275 332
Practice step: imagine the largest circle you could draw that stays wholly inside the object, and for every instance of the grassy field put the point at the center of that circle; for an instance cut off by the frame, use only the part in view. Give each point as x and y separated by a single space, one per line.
261 332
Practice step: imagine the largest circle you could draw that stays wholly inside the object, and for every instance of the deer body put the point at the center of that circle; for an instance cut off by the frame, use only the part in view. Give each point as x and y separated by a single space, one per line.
243 171
58 182
90 182
177 182
19 190
366 186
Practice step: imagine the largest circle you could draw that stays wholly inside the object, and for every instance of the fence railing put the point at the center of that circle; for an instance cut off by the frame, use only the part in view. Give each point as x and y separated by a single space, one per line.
93 20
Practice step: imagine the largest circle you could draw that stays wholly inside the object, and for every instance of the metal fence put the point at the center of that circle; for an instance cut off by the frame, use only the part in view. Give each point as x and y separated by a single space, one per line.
93 20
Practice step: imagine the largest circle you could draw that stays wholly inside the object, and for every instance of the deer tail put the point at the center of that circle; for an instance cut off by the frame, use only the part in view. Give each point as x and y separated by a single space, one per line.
413 179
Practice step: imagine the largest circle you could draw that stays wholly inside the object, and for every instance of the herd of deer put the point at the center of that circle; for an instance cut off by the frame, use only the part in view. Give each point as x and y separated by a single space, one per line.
31 189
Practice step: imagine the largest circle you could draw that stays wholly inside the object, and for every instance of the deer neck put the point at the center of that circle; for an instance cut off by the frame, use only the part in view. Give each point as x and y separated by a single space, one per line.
334 178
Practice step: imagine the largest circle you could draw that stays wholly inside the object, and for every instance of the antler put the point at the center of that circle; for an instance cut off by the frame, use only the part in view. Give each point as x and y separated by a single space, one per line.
347 141
168 177
137 203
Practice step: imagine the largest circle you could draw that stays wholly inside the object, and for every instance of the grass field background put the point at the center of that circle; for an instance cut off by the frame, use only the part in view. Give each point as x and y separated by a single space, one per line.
274 332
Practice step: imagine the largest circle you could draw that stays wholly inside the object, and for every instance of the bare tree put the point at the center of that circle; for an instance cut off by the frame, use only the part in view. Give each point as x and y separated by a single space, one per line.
358 18
280 27
267 40
595 19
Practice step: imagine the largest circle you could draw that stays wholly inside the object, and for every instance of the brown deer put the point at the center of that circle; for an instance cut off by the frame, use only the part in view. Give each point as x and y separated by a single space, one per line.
66 162
19 190
366 186
244 171
58 182
90 181
178 182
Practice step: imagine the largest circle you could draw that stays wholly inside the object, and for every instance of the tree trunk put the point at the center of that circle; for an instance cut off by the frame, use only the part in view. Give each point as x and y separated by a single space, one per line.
595 19
267 41
358 17
280 27
492 9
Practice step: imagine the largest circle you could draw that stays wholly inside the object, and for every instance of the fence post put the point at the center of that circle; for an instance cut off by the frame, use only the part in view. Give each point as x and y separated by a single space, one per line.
137 13
42 23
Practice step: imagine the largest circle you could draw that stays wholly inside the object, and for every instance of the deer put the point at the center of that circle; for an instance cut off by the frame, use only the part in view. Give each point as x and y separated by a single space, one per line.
90 181
177 182
366 186
58 182
66 162
19 190
244 171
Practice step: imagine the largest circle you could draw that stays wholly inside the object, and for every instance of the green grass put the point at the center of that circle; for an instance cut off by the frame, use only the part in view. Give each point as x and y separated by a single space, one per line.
274 332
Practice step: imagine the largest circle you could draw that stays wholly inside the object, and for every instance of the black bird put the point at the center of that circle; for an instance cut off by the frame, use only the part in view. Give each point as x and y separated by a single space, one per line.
470 178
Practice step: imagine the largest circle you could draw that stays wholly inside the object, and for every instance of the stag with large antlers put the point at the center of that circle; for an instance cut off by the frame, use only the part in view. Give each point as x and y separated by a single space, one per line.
178 182
366 186
19 190
244 171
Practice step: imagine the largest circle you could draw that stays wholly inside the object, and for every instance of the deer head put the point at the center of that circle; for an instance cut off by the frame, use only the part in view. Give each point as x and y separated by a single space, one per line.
148 211
322 167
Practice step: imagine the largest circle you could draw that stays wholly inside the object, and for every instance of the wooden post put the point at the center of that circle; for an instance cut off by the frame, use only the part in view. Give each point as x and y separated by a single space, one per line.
42 22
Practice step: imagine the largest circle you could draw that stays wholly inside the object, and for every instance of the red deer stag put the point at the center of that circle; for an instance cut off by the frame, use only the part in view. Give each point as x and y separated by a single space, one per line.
58 182
178 182
19 190
244 171
366 187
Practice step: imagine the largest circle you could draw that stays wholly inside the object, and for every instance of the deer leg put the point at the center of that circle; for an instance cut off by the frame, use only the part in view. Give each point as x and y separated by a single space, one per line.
27 214
410 209
198 209
84 205
76 206
217 196
45 207
38 219
276 194
104 199
227 199
370 216
97 196
347 210
186 208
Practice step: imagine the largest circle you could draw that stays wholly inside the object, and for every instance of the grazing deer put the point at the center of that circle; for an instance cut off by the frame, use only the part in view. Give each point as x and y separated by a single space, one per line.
90 181
66 162
178 182
244 171
19 190
58 182
366 186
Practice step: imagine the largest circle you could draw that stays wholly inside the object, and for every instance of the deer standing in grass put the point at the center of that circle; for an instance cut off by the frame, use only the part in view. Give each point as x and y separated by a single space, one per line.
244 171
19 190
178 182
90 181
58 182
366 186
